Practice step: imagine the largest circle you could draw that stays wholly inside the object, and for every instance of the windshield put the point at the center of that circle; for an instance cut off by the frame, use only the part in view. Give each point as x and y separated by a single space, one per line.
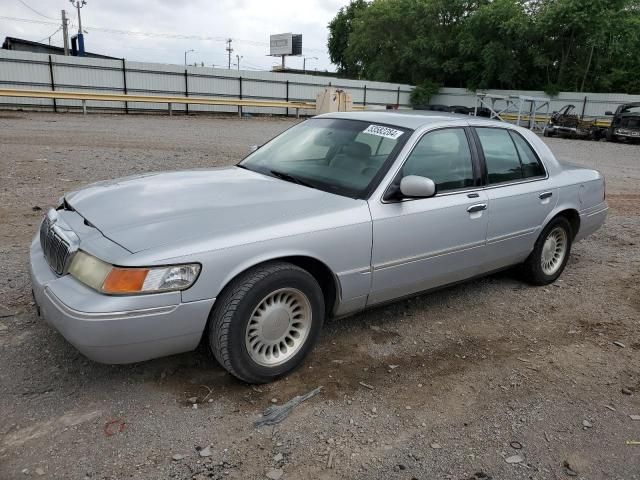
631 109
346 157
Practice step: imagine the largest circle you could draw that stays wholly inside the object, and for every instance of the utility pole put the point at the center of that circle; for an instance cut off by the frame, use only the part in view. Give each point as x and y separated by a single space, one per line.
229 51
78 4
65 32
238 58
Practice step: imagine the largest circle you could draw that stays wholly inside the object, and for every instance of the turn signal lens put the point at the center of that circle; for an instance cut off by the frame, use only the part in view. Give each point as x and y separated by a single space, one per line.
125 280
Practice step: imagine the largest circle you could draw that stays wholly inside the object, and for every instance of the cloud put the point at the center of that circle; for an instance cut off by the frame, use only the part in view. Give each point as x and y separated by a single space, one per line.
248 22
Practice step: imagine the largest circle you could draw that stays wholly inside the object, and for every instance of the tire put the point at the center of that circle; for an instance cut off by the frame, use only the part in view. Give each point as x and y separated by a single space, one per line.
538 269
266 322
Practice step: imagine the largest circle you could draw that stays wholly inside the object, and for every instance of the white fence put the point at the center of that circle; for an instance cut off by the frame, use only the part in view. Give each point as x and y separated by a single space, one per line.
40 71
594 104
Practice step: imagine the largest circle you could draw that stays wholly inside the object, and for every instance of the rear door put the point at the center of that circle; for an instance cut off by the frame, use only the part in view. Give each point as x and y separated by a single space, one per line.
519 195
427 242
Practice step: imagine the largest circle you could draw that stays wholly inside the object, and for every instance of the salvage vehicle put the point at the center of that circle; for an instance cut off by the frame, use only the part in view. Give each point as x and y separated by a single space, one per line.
625 124
567 122
341 212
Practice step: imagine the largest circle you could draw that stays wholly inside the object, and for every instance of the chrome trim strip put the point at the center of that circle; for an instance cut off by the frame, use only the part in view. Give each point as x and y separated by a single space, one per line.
363 270
597 212
509 236
107 315
527 180
417 258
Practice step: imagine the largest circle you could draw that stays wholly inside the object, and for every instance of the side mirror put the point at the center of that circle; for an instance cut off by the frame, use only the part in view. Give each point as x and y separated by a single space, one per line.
608 112
414 186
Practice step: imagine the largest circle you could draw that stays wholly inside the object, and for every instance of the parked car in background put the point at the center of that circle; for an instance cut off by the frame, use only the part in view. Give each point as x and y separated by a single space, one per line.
625 124
339 213
567 122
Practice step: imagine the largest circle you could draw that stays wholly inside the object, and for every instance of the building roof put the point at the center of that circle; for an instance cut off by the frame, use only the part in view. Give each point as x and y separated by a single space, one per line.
20 44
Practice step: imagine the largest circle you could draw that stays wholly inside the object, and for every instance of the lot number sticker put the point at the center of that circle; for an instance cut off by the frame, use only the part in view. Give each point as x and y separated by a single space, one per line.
381 131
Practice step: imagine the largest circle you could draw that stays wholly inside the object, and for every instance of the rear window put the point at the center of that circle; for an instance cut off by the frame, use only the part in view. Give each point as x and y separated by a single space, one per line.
500 154
508 156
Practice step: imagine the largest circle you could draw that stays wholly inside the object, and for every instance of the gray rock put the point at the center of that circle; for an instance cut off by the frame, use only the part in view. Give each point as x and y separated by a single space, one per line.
626 391
39 471
205 452
177 457
514 459
192 399
587 424
635 417
275 474
436 446
278 458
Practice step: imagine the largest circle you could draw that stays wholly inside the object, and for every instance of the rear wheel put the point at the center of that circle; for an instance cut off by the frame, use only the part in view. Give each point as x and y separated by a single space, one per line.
550 253
266 321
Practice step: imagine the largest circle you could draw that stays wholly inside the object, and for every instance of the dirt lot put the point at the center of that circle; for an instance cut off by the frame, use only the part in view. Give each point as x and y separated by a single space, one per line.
450 385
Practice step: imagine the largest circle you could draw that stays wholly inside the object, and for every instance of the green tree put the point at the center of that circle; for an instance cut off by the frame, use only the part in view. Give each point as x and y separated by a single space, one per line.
340 29
551 45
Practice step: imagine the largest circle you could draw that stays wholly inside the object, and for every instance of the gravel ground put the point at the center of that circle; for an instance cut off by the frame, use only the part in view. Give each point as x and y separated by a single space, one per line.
490 379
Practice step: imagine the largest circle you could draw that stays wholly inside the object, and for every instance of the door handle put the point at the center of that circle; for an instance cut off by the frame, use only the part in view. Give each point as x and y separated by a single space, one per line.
478 207
544 195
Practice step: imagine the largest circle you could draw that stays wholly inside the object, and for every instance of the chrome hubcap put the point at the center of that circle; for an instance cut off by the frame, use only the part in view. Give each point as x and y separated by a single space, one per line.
278 327
554 250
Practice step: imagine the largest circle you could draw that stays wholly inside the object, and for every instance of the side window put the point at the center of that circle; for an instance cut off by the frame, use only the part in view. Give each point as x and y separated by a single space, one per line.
444 157
531 166
501 157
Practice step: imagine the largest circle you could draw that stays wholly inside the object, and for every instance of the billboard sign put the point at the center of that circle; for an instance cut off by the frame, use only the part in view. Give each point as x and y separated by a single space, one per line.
285 44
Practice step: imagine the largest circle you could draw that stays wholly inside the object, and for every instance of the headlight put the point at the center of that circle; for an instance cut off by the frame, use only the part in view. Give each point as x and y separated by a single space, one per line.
106 278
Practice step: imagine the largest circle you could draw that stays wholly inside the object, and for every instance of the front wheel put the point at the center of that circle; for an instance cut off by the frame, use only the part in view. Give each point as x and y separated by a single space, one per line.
550 253
266 321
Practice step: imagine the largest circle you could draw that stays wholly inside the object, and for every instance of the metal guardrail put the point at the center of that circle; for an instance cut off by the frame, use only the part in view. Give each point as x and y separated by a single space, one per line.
169 100
512 117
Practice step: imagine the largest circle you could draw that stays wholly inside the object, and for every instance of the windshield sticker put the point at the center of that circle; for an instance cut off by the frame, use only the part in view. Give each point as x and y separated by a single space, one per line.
381 131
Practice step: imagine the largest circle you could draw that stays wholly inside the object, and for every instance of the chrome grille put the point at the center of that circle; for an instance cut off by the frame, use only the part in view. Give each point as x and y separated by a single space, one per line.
56 249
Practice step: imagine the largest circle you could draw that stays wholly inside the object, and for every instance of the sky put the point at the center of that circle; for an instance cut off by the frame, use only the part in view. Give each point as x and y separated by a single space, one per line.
248 22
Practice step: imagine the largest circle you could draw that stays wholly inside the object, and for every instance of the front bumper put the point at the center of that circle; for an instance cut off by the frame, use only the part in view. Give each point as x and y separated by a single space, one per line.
627 133
116 329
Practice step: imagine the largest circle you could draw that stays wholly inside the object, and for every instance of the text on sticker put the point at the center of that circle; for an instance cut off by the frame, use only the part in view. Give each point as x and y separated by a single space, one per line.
381 131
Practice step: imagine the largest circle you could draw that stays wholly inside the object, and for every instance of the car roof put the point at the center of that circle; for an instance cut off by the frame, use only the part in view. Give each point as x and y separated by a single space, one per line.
407 119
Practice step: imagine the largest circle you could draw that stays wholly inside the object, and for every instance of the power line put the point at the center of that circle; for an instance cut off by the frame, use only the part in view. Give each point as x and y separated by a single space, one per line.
175 36
28 20
49 36
34 10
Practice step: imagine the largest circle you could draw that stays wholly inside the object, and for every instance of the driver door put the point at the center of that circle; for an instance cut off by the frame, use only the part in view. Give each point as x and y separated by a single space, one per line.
423 243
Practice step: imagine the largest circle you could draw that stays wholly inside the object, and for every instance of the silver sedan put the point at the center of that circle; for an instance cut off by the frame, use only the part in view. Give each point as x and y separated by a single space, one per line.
339 213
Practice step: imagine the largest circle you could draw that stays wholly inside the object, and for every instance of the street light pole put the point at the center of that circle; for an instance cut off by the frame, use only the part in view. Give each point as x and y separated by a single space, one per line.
238 58
304 63
185 55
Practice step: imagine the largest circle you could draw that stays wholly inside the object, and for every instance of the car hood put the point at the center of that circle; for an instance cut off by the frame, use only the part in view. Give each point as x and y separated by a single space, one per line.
153 210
